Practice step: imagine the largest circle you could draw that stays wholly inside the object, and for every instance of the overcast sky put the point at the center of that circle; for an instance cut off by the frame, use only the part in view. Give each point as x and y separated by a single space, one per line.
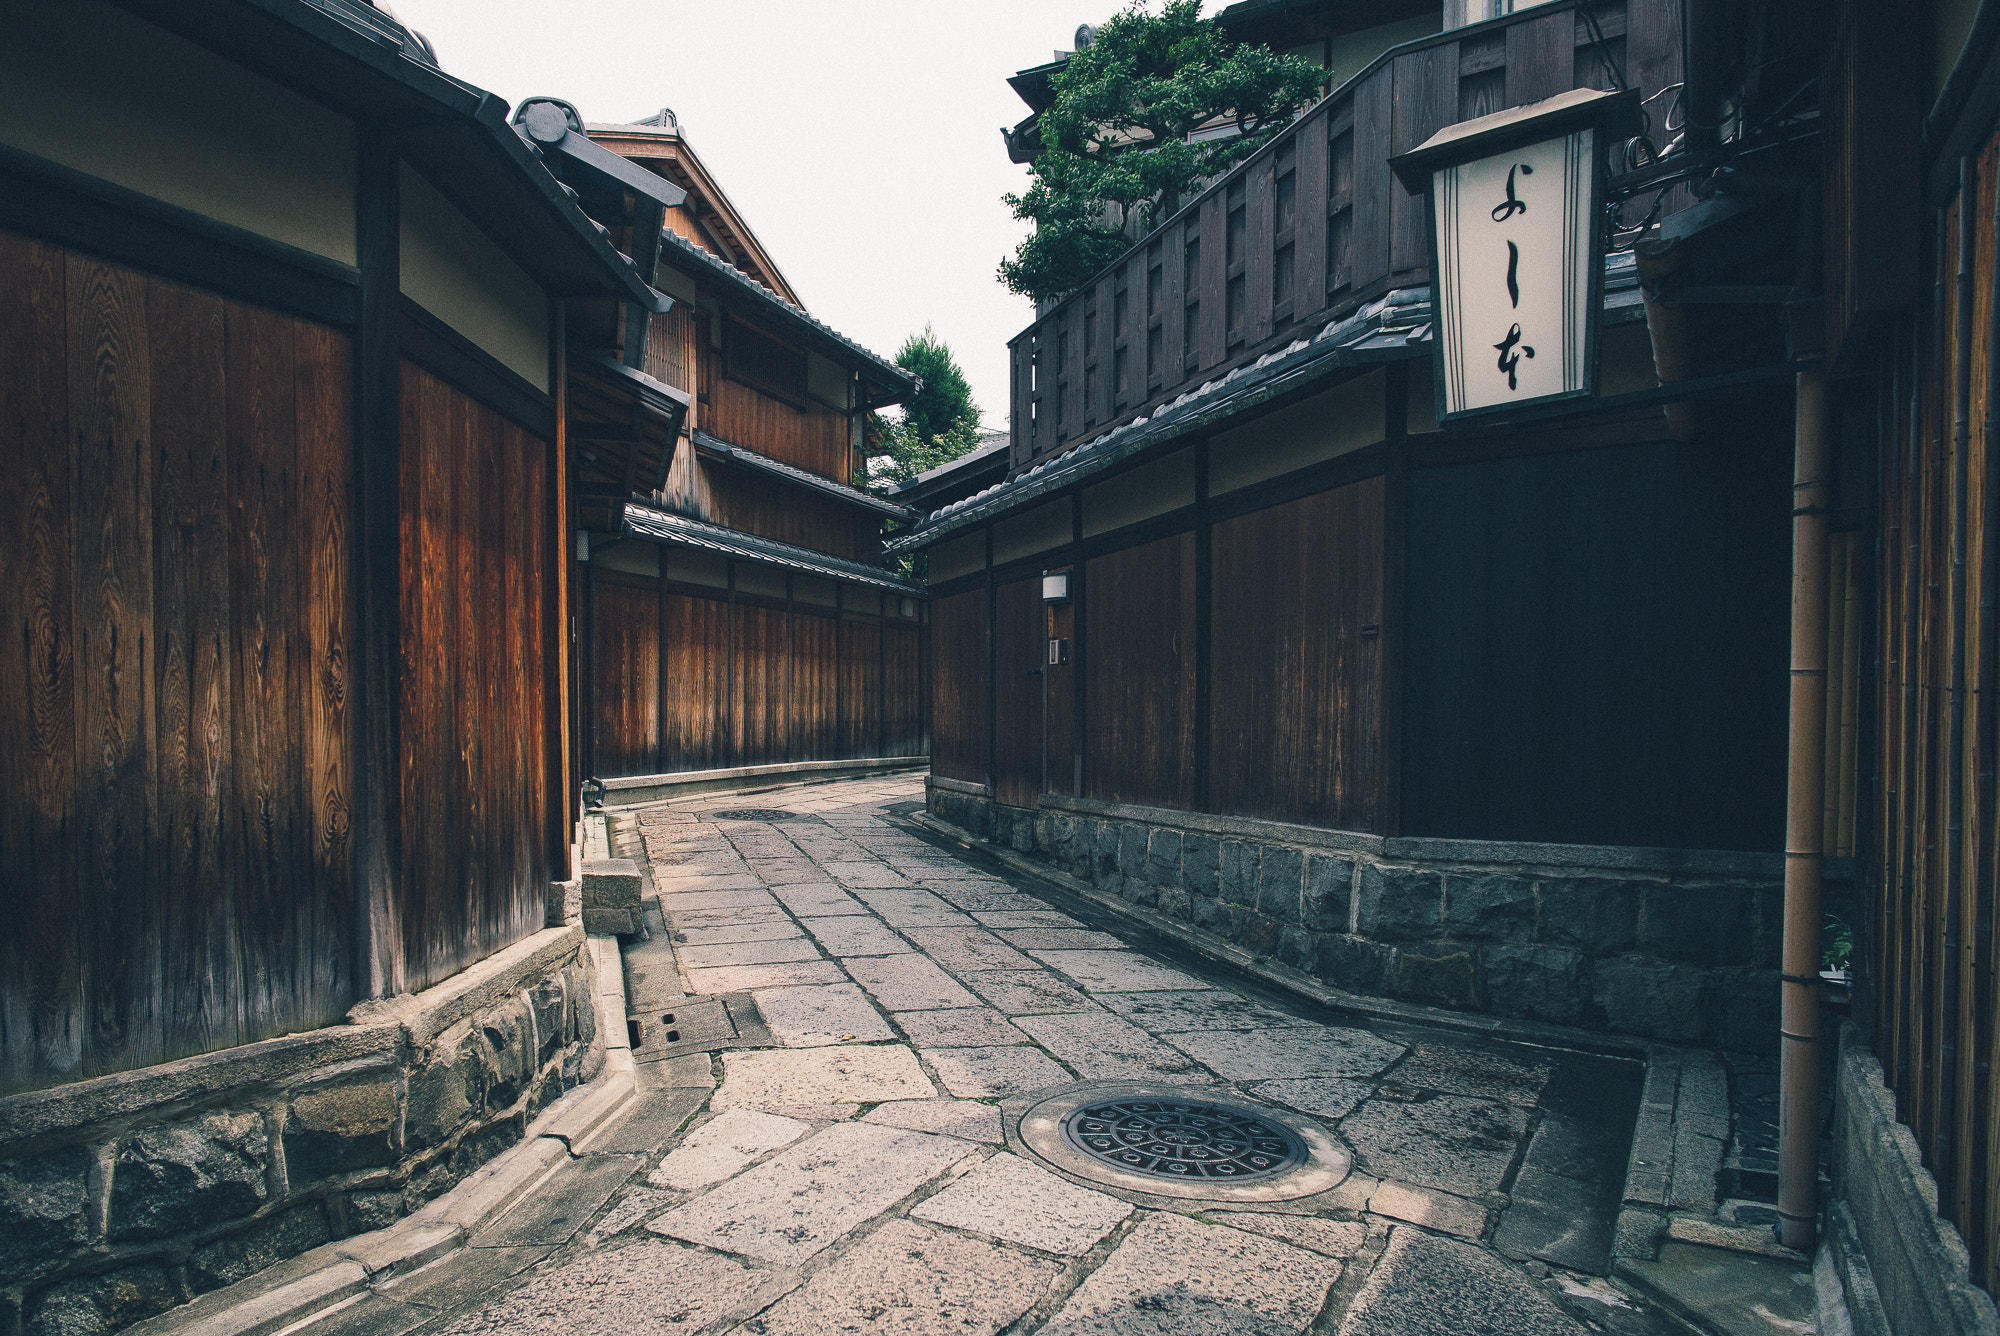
861 141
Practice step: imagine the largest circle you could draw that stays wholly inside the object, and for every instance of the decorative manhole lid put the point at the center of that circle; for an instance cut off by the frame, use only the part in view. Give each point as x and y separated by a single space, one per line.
1157 1143
1184 1140
755 814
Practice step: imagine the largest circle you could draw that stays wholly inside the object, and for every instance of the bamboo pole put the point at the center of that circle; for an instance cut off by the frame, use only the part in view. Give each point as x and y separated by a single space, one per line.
1836 659
1798 1093
1850 705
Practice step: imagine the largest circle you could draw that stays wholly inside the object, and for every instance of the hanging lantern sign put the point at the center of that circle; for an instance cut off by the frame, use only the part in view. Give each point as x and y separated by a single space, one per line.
1517 249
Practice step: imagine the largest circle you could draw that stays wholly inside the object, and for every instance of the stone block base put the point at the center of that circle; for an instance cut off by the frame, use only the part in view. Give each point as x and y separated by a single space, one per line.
123 1196
1673 945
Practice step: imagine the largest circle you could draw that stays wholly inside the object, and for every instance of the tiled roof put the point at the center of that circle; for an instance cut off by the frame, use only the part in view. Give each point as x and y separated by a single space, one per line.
644 521
1395 326
729 273
777 468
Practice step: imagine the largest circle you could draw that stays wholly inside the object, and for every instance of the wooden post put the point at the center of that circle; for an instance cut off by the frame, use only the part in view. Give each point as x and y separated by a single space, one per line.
1798 1093
378 570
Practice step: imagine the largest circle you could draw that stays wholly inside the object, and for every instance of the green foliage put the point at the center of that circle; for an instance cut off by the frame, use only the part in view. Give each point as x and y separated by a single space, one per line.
1837 945
943 401
1115 136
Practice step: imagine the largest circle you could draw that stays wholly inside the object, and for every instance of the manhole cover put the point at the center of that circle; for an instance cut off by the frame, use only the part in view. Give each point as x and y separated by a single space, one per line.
1157 1143
1184 1139
755 814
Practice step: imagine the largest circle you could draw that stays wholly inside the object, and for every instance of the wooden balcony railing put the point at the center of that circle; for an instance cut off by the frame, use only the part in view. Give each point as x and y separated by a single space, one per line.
1312 225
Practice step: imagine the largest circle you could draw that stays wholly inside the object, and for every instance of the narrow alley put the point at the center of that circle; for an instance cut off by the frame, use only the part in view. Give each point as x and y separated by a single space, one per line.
856 1045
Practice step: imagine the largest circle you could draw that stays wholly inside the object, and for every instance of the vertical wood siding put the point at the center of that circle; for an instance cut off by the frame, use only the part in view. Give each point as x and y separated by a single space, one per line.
1297 695
959 686
814 438
1017 689
473 712
173 834
694 681
1139 633
1935 856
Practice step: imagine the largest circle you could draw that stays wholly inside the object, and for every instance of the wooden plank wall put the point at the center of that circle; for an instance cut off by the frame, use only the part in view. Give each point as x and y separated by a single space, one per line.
474 717
688 679
959 687
815 438
1017 690
1567 610
757 504
1936 855
1297 655
173 834
1138 641
1343 191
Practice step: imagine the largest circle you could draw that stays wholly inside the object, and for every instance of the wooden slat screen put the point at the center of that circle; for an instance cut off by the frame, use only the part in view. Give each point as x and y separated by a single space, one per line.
1935 855
959 687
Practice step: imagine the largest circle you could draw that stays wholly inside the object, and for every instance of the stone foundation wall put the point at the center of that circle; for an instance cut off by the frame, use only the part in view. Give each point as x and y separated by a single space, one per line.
1674 945
125 1195
1904 1269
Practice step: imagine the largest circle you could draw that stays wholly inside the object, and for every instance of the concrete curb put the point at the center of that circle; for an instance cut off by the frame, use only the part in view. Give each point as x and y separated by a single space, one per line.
314 1282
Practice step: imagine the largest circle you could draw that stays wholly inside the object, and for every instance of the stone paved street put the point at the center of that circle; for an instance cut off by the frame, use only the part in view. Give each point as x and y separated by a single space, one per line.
844 1021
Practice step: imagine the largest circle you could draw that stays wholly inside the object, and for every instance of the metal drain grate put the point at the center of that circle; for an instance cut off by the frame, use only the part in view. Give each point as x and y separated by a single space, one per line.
1184 1139
756 814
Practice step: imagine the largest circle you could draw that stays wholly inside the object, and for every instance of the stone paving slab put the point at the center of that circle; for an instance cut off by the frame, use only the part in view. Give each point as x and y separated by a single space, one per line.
1333 1238
748 930
1427 1286
961 1118
1479 1072
868 874
861 934
1101 1047
1025 918
818 900
1011 1198
846 1074
749 978
993 1073
906 1280
1331 1097
1026 992
967 949
795 948
1291 1053
908 983
558 1208
792 1206
822 1014
651 1286
1173 1277
961 1027
1117 971
720 918
681 902
652 1120
1208 1009
1061 939
1434 1210
724 1145
1451 1142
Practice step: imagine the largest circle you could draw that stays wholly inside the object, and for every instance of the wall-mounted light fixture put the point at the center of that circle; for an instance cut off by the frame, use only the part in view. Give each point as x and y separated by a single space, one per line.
1517 248
1055 586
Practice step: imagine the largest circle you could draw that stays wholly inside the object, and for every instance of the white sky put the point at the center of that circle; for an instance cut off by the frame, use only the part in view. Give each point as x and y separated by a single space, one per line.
861 141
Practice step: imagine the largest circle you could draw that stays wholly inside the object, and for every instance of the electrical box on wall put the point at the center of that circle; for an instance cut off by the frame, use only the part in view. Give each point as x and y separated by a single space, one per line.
1058 651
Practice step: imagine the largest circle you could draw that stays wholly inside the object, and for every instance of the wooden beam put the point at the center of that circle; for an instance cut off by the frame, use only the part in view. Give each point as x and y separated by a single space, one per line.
377 557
